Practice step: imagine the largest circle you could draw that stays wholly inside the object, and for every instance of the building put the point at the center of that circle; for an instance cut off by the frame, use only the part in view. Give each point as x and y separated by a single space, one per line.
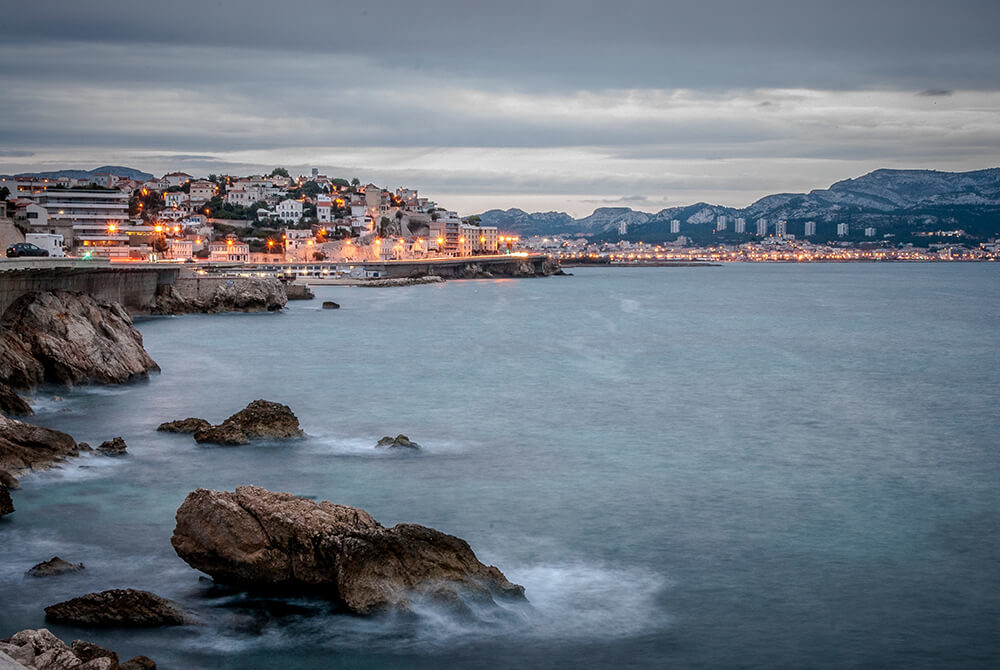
869 232
176 178
675 226
721 222
202 191
175 199
842 230
623 227
810 228
180 248
761 227
290 211
740 225
781 228
79 213
231 251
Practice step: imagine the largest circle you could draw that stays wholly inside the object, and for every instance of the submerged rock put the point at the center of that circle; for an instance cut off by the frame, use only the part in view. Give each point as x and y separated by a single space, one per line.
262 539
398 442
117 607
70 338
54 566
261 419
42 650
26 447
12 404
113 447
188 425
329 304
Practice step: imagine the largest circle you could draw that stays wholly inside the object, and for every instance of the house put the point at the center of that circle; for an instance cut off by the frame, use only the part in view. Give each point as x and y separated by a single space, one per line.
176 178
202 191
290 211
230 250
175 199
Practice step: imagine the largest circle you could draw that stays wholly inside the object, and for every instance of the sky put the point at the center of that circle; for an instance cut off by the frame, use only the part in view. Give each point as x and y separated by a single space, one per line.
546 106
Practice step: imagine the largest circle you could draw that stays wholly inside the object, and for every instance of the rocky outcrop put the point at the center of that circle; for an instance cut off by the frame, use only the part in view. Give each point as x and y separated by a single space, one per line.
189 425
41 650
398 442
329 304
53 567
69 338
117 608
231 294
402 281
9 480
113 447
6 504
261 539
25 447
11 404
261 419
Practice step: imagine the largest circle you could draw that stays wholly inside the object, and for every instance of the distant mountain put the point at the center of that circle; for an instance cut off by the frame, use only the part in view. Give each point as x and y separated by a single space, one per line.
886 199
116 170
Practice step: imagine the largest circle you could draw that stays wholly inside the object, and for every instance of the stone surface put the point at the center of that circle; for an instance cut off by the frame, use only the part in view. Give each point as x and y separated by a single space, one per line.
138 663
117 607
262 539
22 656
12 404
52 567
41 650
6 504
113 447
88 651
329 304
25 447
231 294
70 338
261 419
9 480
398 442
189 425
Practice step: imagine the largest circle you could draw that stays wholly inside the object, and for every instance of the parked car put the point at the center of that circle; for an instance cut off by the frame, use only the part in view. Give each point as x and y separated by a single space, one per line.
25 249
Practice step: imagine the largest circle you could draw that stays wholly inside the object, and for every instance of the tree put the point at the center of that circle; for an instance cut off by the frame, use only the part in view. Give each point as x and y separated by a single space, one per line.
319 256
279 171
341 182
385 226
260 204
4 193
355 182
473 220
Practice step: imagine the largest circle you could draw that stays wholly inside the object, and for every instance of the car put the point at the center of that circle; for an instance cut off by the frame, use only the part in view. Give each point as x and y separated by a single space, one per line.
25 249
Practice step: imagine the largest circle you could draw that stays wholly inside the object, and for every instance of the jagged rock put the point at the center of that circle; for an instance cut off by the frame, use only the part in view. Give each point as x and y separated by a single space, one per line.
329 304
402 281
54 566
13 657
41 650
9 480
236 294
69 338
113 447
12 404
398 442
40 640
262 539
189 425
117 607
26 447
84 447
6 504
260 419
138 663
88 651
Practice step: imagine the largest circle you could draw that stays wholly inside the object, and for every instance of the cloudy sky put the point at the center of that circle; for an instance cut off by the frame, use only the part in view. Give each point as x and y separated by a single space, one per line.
542 105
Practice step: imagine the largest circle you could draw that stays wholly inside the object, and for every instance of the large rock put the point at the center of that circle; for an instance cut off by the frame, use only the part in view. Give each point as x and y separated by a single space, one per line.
261 419
113 447
189 425
42 650
26 447
52 567
398 442
117 607
6 504
262 539
69 338
12 404
235 294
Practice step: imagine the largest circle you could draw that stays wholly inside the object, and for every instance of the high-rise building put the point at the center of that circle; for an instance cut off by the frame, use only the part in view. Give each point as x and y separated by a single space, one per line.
740 225
781 228
675 226
721 222
842 230
761 227
869 232
623 227
810 228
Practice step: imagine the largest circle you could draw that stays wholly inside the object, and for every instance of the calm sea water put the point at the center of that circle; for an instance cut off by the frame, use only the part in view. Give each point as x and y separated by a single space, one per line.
745 466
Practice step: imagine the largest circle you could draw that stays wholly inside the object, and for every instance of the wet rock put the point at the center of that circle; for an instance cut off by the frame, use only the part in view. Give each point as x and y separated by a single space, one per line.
113 447
9 480
231 294
69 338
88 651
329 304
189 425
398 442
54 566
41 650
12 404
6 504
117 607
25 447
261 419
277 541
138 663
39 640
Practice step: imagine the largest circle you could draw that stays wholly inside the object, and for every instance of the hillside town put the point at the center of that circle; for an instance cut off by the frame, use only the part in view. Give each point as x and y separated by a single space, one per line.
272 218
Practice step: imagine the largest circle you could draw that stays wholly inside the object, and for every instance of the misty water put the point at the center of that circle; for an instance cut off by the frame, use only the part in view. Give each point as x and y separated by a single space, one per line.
749 465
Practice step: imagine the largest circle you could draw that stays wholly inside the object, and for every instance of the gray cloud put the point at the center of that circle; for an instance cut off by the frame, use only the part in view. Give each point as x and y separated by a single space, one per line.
936 92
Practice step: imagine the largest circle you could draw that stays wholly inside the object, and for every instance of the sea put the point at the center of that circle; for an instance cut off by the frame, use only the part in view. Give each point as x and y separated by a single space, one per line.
745 466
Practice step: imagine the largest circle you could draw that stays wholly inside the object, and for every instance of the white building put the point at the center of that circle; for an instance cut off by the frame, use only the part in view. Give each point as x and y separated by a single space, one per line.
623 227
842 230
781 228
181 248
761 227
176 178
675 226
232 251
202 191
175 199
740 225
721 222
869 232
290 211
810 229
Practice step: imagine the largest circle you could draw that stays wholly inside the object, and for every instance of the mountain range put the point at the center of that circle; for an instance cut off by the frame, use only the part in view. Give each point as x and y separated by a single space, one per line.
116 170
886 199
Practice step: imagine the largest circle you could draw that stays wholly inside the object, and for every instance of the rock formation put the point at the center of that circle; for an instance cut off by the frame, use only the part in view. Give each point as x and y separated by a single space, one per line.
12 404
113 447
261 419
398 442
6 504
189 425
69 338
231 294
117 607
54 566
329 304
42 650
25 447
262 539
